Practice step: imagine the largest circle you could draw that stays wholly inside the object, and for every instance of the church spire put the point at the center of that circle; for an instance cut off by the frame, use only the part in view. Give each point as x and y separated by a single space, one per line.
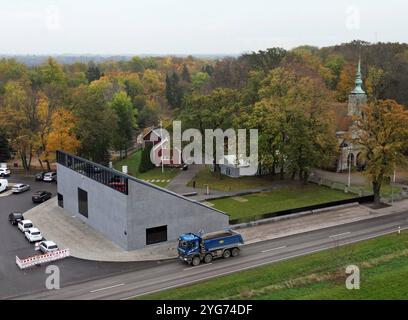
358 81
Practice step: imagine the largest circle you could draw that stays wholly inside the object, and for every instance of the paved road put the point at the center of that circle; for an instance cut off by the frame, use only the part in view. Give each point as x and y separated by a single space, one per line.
14 281
176 273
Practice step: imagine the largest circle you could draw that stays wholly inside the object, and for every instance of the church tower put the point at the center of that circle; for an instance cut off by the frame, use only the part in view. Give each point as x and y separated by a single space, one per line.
357 97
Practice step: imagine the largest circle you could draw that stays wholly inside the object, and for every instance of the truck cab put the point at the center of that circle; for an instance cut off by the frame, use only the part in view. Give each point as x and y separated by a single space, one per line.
193 248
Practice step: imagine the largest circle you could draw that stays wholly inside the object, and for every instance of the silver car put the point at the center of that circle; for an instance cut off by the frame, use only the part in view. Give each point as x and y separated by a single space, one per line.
20 188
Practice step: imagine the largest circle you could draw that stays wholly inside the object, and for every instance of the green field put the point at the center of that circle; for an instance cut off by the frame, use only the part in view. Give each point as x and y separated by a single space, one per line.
296 196
383 264
133 162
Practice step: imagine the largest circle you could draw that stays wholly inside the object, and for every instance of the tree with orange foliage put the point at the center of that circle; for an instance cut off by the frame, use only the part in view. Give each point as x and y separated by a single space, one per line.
62 134
346 82
382 132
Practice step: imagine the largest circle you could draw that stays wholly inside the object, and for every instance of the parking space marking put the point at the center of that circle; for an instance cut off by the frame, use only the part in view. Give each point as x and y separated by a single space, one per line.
269 250
106 288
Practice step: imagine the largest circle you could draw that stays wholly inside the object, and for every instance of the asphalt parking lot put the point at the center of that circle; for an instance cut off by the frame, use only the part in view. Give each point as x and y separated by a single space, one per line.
15 282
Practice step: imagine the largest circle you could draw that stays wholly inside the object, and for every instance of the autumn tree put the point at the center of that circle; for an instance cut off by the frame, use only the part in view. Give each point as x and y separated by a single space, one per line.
44 115
374 83
346 82
4 149
382 132
62 133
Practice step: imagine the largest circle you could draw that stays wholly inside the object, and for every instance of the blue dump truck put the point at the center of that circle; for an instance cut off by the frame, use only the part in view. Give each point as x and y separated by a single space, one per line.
193 248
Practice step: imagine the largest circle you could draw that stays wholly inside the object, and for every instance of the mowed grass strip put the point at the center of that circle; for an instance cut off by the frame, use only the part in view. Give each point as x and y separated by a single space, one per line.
133 163
383 264
281 199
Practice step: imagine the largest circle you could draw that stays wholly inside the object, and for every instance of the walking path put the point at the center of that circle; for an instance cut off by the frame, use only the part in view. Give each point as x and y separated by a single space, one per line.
356 177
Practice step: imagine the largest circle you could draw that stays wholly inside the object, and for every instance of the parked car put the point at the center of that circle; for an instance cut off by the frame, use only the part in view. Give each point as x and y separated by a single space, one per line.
15 217
24 225
50 177
48 246
4 172
3 185
33 235
40 176
20 188
41 196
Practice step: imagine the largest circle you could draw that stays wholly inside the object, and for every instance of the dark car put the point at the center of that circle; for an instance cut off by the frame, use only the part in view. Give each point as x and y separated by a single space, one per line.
40 176
41 196
15 217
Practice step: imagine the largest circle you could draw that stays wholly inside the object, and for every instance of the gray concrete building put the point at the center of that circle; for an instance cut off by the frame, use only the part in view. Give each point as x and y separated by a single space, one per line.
130 212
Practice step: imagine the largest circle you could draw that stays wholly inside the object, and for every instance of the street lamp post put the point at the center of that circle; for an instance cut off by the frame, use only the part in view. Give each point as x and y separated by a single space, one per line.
162 142
393 182
349 171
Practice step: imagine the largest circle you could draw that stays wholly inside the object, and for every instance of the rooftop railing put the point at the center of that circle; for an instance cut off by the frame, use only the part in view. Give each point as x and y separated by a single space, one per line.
108 177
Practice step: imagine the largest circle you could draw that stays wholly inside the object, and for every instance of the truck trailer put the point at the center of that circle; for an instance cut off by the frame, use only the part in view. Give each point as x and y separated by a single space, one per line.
193 248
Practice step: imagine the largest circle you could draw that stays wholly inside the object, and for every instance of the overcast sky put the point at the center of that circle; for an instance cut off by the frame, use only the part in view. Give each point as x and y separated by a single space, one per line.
192 26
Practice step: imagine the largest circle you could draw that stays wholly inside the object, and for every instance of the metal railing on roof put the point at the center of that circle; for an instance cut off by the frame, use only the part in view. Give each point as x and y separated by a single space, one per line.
108 177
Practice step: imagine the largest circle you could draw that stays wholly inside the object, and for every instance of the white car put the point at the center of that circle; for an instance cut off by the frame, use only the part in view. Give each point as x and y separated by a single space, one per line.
20 188
24 225
50 177
3 185
48 246
4 172
33 235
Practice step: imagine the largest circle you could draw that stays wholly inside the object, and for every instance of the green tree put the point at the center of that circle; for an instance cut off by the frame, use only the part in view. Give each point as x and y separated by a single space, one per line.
18 120
145 162
295 131
126 122
97 123
136 64
174 91
93 73
185 74
200 80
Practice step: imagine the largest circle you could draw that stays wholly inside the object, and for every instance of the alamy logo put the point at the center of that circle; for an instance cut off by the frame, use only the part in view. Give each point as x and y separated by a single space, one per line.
53 280
353 280
230 148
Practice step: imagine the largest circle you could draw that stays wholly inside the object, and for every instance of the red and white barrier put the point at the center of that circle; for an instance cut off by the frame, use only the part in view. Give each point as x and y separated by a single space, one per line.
43 258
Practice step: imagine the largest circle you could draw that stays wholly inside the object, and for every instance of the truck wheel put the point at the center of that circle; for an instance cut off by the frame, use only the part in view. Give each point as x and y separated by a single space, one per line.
226 254
235 252
208 258
196 261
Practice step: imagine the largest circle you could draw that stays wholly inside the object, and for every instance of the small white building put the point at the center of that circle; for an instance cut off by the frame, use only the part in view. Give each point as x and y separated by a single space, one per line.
232 166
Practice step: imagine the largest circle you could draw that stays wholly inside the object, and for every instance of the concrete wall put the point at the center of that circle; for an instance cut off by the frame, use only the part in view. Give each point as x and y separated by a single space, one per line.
106 207
150 207
124 218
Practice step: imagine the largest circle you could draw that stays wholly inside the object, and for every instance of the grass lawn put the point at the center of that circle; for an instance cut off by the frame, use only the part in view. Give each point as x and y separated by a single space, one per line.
296 196
383 264
224 183
133 162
